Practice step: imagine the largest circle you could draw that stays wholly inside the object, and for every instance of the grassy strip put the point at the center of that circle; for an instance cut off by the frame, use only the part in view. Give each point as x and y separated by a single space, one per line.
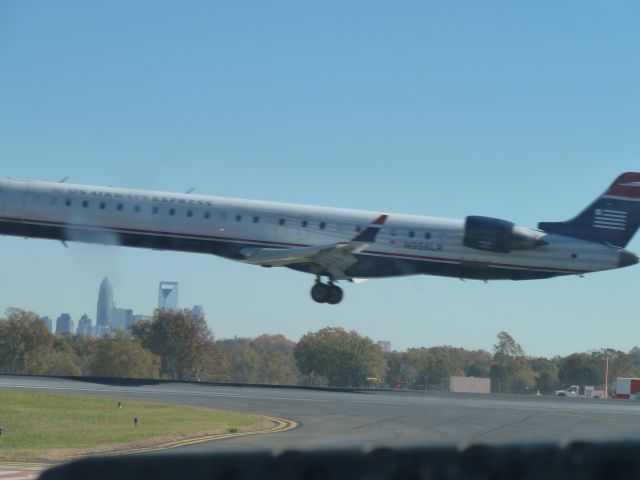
44 426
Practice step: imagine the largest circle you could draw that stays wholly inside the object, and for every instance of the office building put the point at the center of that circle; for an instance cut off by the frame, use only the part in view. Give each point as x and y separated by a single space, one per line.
84 326
385 346
105 305
64 324
168 296
47 321
121 318
198 311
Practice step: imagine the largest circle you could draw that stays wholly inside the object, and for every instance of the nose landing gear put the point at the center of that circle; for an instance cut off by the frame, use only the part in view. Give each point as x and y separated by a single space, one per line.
326 293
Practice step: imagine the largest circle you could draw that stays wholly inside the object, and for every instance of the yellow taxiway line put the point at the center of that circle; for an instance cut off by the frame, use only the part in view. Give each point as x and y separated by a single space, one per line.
281 425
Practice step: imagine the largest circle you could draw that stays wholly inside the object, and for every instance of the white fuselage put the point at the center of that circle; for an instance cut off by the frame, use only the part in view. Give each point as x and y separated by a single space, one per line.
407 244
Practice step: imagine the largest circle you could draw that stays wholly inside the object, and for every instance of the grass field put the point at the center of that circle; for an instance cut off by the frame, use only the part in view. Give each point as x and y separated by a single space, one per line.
43 426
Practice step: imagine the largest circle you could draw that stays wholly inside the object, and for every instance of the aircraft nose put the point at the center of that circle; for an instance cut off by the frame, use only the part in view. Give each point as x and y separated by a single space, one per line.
627 258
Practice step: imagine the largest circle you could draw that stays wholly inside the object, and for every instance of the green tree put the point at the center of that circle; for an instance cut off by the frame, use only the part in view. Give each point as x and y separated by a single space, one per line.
123 357
579 369
276 363
84 349
339 358
60 359
400 373
243 360
506 347
546 371
184 344
510 372
25 342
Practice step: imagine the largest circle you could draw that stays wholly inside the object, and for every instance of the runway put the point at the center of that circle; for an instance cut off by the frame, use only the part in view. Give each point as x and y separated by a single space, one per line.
369 419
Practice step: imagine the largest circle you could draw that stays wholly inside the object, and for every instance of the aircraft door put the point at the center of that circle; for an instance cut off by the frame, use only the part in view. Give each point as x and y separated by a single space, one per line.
1 198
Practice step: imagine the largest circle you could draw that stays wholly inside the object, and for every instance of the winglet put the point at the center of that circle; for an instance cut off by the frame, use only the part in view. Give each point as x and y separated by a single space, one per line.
369 234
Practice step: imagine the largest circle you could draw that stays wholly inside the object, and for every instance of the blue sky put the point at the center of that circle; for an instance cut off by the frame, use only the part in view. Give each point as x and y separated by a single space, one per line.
520 110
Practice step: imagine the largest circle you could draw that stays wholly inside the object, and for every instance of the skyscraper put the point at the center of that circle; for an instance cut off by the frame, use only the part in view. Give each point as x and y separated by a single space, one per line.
64 324
105 304
168 296
84 325
198 311
47 321
121 318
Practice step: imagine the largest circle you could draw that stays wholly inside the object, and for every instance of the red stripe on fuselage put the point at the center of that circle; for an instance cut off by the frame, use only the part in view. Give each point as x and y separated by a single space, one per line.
284 244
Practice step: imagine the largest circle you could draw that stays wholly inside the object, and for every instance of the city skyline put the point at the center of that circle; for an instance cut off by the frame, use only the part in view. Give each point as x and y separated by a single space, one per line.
111 317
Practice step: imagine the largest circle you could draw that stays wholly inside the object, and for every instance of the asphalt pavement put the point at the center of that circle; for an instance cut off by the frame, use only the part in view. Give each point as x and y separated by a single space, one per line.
368 419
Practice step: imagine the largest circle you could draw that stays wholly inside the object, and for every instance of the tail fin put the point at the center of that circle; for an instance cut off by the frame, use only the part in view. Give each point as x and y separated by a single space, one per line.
613 218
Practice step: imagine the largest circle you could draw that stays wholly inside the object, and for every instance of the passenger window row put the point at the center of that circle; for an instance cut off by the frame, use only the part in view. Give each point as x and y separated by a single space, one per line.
238 217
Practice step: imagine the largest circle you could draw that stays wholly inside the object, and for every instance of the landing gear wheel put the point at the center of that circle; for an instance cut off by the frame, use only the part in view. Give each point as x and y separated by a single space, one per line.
335 295
320 292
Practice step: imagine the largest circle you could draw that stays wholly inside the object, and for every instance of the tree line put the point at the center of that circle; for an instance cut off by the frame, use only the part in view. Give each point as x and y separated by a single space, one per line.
178 345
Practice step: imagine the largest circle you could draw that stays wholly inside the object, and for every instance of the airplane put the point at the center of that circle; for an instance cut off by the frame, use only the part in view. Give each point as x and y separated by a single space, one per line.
329 243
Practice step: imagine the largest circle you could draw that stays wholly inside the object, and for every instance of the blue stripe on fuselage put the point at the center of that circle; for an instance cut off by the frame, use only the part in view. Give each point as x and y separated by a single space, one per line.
369 265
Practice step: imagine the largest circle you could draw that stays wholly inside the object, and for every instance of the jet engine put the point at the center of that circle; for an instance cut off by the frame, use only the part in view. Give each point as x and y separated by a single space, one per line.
496 235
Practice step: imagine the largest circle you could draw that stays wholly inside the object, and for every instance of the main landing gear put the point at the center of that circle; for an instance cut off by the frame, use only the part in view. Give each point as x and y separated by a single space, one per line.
326 293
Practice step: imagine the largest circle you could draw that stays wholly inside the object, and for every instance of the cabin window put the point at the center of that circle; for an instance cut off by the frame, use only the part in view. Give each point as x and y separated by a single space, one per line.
85 204
358 228
189 213
136 208
304 223
207 214
393 233
256 219
427 235
154 210
412 234
172 211
281 221
238 218
102 205
322 225
67 202
119 207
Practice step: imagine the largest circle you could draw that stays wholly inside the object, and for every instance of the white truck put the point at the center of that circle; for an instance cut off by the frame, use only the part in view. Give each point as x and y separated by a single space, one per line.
572 391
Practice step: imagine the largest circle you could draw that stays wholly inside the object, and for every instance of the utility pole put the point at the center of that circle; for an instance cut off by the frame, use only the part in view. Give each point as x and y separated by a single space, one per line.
606 375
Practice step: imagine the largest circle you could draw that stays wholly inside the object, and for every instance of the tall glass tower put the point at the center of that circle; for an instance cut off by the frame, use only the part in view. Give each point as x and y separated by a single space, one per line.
168 296
105 304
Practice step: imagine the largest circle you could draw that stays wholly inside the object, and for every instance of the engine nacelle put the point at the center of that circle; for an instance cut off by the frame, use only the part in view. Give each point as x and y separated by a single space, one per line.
496 235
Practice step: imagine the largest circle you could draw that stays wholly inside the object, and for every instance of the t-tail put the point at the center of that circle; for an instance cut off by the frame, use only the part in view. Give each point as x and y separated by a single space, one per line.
613 218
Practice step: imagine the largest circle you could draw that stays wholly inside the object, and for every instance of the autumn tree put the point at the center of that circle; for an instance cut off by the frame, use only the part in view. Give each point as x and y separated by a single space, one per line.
546 380
27 346
276 365
510 372
243 359
184 343
336 357
579 369
400 373
121 356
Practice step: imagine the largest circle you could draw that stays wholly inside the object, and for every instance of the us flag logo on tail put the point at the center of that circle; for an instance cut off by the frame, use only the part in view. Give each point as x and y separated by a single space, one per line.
610 219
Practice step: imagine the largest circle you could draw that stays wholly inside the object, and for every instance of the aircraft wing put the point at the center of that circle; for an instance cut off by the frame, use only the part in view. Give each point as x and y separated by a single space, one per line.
332 259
